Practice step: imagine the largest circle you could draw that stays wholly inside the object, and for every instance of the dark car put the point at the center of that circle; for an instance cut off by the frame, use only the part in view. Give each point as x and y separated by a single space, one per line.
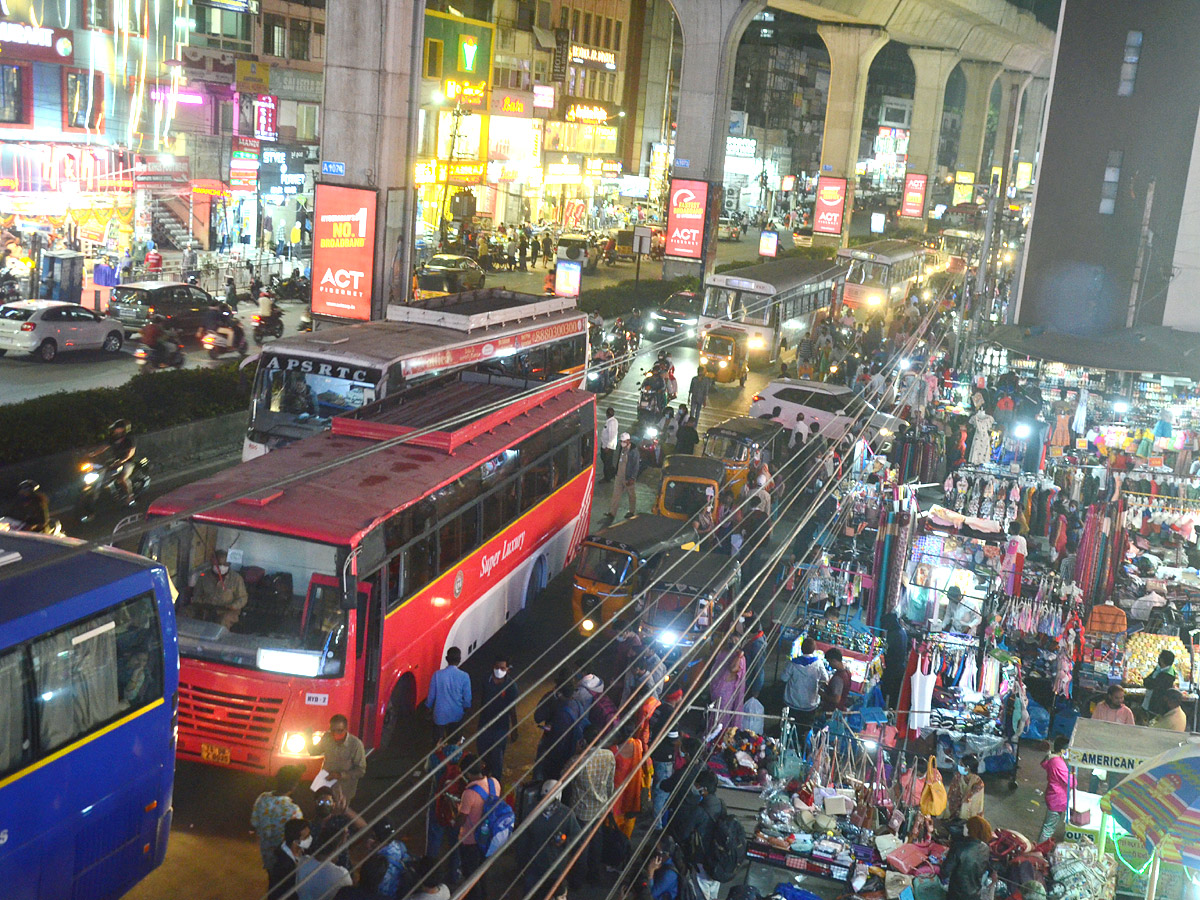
451 274
182 306
678 314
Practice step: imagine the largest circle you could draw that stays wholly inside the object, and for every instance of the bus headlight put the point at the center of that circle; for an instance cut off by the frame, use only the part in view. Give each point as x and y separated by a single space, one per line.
722 364
588 625
757 343
295 743
703 360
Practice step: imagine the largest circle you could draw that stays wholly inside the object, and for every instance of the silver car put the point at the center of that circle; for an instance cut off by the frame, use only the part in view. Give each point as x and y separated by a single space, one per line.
46 328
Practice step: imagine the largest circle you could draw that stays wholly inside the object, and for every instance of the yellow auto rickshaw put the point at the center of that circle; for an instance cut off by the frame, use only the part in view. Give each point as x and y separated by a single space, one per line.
689 483
614 565
737 441
725 353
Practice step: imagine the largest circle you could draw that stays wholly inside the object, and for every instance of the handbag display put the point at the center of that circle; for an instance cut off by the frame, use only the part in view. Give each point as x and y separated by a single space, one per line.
933 797
912 786
907 858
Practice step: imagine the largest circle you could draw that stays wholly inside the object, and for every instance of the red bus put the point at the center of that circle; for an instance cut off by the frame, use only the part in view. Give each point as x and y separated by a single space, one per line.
362 573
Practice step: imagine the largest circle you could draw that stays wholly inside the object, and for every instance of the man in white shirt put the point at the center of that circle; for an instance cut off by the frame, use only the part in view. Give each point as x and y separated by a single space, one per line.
799 433
317 878
876 386
608 443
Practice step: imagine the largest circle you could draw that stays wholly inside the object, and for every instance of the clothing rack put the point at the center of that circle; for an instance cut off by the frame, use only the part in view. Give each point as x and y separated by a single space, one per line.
1164 500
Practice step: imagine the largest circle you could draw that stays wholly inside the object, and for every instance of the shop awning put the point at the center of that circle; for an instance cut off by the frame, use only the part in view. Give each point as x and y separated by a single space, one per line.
1153 349
544 38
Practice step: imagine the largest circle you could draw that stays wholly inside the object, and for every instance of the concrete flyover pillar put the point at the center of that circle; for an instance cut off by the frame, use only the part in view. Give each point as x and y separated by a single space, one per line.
369 123
711 32
1012 86
932 68
851 52
1032 113
980 77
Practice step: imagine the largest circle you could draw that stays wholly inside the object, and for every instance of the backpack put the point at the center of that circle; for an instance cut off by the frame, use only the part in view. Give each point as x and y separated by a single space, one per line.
603 711
726 848
496 822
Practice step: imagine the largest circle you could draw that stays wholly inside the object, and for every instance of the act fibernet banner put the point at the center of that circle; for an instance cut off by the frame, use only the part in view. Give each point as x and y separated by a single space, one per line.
685 218
830 207
343 260
912 205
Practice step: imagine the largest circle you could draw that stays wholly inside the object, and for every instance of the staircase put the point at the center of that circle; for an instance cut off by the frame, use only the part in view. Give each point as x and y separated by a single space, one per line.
165 225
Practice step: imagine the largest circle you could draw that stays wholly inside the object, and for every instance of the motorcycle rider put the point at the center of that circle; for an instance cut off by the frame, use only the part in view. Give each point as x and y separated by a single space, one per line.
267 307
32 508
231 295
121 449
154 338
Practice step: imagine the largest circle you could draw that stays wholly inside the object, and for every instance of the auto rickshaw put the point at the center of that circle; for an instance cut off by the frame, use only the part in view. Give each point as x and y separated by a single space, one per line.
736 441
725 353
688 484
615 563
687 595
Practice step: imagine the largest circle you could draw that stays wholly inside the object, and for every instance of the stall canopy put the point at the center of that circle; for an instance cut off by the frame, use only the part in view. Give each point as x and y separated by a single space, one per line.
1159 803
1097 744
1150 348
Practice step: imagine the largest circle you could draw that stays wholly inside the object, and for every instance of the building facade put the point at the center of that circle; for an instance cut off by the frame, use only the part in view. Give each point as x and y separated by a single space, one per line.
1117 173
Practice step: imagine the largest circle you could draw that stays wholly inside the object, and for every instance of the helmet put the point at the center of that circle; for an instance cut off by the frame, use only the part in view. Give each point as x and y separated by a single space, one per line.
28 486
120 425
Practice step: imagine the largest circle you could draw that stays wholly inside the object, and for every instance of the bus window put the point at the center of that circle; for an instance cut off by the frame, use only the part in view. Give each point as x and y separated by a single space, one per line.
718 302
89 673
284 397
16 725
420 565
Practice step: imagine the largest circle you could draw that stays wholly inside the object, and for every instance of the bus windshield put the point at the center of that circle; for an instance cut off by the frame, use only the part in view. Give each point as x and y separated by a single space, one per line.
736 306
603 564
261 604
863 271
722 446
296 403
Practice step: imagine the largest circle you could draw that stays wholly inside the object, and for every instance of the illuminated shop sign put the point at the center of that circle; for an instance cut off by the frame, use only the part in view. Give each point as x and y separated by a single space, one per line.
439 171
543 96
592 55
21 41
466 92
587 112
741 147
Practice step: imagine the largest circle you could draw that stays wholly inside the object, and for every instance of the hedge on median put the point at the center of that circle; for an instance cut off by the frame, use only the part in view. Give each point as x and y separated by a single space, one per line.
73 420
618 299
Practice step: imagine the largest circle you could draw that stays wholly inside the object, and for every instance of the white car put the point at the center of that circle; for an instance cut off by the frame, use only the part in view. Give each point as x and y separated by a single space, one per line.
728 230
49 327
834 407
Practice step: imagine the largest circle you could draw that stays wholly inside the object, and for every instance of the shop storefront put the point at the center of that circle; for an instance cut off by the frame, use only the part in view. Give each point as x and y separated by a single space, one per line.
582 175
511 195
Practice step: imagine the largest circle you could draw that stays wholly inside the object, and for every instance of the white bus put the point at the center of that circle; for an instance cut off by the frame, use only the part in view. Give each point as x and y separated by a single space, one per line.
774 302
303 381
883 272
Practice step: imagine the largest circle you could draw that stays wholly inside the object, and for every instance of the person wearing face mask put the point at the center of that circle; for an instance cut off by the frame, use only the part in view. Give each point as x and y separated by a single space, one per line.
964 792
297 839
499 711
220 593
345 757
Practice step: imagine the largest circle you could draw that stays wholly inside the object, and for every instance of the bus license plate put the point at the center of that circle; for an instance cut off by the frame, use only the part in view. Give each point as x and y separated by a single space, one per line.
213 753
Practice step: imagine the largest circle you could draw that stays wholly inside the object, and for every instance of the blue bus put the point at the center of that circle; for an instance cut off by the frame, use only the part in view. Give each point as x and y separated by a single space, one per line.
89 675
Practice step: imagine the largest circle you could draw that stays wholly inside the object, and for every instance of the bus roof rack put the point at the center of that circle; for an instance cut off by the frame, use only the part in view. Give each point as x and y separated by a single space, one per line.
483 308
411 414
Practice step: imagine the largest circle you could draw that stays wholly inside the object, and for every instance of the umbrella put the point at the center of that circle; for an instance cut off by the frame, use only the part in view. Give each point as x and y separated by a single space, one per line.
1159 803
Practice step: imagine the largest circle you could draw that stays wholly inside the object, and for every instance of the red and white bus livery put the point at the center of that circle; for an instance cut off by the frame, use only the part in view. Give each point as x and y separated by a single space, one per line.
364 559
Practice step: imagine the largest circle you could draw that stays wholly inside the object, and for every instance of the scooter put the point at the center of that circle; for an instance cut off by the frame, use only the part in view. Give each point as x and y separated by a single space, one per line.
171 356
53 526
218 343
99 483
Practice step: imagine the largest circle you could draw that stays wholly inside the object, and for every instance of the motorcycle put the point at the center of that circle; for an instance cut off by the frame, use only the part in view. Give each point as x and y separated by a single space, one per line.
53 526
99 483
171 356
218 343
268 326
294 287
